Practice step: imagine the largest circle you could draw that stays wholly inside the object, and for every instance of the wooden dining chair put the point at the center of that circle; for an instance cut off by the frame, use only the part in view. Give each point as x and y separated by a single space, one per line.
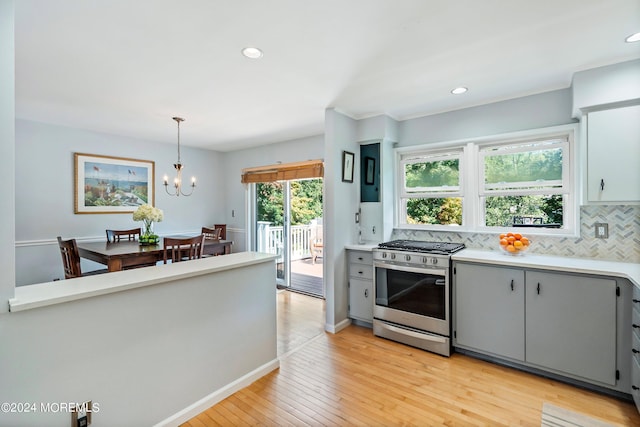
212 233
183 249
71 260
117 235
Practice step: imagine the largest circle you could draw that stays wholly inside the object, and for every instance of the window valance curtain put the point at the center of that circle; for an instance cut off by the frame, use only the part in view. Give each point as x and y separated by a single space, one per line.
283 172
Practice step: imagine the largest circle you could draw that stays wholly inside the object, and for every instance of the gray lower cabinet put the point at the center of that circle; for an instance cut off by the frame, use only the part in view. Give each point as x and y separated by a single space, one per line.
571 324
489 305
552 321
360 285
635 347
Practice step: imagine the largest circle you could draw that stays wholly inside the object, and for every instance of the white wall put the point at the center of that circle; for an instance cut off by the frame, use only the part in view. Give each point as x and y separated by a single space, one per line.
529 112
45 187
235 193
340 205
606 86
7 154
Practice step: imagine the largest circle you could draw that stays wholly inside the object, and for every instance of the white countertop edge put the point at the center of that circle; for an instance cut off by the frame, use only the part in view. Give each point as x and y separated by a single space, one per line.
45 294
361 246
626 270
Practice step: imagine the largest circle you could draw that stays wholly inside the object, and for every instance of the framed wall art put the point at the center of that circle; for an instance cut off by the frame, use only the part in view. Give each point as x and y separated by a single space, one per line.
347 166
105 184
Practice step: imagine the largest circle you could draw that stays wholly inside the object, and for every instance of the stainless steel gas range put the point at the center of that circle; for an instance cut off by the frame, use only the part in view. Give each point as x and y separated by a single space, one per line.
412 287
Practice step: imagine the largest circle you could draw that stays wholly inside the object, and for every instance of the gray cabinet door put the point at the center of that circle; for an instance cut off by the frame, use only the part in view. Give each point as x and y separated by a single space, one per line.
490 309
361 299
613 175
571 324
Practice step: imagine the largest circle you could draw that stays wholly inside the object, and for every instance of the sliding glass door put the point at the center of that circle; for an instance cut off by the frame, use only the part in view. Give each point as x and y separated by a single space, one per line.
289 224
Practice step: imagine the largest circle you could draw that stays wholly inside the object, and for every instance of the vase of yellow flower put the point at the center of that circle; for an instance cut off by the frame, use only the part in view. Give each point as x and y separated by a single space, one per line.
148 215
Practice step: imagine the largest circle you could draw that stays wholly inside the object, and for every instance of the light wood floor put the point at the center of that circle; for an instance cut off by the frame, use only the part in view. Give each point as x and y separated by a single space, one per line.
354 378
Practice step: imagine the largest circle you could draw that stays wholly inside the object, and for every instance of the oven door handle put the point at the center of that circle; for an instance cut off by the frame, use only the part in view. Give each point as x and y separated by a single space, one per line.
413 334
424 270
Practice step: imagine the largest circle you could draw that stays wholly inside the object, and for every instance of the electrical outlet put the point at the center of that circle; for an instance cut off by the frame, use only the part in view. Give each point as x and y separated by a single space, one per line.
81 414
602 230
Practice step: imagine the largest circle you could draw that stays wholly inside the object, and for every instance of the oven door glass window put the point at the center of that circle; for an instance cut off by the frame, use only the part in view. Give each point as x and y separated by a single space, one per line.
419 293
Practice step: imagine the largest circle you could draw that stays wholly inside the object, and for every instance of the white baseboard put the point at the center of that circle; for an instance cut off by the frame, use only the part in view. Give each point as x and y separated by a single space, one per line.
206 402
334 329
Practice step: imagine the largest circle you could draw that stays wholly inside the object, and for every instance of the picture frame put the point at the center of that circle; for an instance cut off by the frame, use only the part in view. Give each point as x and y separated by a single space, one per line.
347 166
370 169
107 184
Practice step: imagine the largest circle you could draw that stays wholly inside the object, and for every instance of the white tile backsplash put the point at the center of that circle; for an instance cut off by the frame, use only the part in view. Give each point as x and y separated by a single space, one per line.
622 245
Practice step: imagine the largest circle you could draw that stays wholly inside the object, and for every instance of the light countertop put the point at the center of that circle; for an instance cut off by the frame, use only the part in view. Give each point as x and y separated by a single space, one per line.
44 294
366 246
626 270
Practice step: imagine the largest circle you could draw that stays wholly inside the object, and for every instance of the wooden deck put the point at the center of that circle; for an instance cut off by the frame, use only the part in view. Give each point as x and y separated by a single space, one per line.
306 277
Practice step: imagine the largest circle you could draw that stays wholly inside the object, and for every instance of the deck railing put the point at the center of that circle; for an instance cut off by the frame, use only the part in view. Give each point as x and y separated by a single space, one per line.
271 239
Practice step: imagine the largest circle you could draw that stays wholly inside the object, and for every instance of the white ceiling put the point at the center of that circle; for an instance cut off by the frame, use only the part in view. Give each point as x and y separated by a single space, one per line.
125 67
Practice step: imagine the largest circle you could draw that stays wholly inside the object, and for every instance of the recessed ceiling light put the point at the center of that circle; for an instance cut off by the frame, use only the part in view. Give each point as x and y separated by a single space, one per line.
633 38
459 90
252 52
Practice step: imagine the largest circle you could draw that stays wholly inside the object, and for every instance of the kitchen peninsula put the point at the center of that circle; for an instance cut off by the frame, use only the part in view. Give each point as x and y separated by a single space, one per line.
134 339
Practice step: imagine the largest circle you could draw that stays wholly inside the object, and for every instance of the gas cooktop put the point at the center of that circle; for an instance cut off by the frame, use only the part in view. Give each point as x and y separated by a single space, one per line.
442 248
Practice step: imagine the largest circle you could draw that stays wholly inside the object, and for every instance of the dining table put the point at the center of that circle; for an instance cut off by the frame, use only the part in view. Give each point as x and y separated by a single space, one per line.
127 254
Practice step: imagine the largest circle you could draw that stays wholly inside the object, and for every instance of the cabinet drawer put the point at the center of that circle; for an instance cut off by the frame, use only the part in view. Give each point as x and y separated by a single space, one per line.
360 257
635 347
361 271
635 383
635 302
635 321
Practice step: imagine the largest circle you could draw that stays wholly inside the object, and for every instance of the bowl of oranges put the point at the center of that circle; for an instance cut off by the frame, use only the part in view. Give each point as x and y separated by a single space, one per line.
514 243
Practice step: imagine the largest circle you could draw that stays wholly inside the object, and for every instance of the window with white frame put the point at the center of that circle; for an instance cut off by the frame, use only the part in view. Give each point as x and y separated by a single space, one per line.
489 185
432 188
524 184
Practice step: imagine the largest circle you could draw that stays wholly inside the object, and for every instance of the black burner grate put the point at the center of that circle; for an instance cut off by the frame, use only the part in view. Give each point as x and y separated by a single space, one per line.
421 246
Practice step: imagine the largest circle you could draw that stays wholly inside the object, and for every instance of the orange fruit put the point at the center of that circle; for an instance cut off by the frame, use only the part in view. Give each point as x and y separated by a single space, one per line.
503 242
511 248
518 236
502 236
518 244
525 241
509 234
511 239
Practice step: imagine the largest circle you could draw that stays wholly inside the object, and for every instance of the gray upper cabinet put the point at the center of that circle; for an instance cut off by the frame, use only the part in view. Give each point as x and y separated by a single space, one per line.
613 151
489 305
370 172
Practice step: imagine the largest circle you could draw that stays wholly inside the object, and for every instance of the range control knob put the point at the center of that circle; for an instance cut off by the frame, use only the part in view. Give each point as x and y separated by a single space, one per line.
393 256
384 254
407 257
434 260
425 259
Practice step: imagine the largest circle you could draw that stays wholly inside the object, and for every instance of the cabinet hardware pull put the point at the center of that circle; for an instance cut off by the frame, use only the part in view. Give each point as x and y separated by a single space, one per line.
634 351
538 288
636 300
366 293
359 272
511 284
635 326
602 185
359 258
635 388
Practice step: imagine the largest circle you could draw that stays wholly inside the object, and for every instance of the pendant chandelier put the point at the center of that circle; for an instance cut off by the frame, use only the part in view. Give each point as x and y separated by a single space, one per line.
177 181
